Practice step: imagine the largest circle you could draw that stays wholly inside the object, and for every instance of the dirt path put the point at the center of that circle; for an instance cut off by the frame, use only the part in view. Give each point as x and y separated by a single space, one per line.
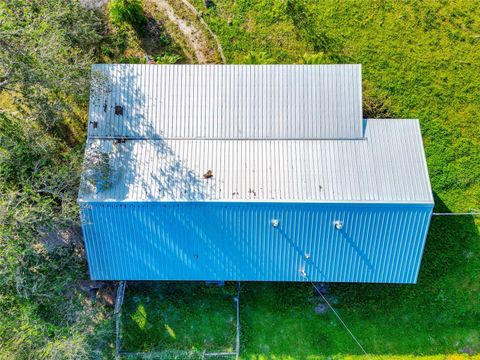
212 34
197 35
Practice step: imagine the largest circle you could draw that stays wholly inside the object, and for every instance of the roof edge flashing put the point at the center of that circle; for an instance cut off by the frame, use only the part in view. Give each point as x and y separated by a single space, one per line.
257 202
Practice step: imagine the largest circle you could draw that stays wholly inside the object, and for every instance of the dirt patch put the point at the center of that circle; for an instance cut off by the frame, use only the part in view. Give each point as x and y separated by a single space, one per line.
468 350
63 238
201 46
321 309
191 33
249 25
93 4
105 291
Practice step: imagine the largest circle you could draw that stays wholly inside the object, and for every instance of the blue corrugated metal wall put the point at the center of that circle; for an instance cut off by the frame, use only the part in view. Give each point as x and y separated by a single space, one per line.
236 241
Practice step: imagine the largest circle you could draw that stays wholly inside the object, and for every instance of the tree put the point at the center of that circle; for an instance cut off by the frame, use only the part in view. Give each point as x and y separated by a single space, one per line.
46 48
46 51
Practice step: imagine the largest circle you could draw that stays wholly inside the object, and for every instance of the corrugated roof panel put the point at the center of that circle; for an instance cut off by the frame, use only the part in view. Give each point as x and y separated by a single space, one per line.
387 166
226 101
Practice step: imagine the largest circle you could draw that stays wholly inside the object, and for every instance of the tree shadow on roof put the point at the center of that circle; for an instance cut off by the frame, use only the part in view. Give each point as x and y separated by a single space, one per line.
121 162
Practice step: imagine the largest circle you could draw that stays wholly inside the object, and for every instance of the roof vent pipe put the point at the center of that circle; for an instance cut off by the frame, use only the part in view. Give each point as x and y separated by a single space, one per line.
338 224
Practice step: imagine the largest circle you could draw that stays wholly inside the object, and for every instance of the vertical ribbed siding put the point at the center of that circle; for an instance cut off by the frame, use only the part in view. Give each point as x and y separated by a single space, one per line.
227 101
220 241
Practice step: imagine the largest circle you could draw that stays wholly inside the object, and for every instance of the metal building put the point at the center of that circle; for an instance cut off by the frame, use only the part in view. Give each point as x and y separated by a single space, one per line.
241 172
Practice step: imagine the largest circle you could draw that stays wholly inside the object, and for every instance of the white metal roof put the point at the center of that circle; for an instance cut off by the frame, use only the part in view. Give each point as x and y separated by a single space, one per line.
387 166
227 101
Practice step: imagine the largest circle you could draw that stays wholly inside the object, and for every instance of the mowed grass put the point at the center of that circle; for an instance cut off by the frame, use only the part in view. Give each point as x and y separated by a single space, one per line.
180 317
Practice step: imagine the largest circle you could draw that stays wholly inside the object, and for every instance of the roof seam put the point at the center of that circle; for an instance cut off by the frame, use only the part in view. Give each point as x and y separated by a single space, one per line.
220 139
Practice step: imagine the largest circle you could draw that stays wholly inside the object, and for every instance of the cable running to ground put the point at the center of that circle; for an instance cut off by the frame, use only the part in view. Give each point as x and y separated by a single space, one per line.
339 318
457 214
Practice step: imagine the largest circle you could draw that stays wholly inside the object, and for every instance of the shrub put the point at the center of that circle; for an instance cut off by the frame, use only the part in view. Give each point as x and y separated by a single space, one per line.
167 59
375 108
127 11
258 58
316 59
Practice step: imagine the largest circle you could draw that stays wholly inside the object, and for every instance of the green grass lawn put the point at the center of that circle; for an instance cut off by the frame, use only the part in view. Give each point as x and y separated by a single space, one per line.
420 60
185 316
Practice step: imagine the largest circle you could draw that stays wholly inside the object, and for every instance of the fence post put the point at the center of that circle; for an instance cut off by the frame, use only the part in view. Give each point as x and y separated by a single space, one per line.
118 314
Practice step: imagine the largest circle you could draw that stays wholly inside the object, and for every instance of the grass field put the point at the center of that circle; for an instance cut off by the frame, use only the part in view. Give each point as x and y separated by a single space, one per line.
420 60
186 317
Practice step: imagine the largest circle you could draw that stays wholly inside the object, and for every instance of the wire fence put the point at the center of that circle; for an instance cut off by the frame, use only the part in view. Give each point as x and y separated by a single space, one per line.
191 355
457 214
172 354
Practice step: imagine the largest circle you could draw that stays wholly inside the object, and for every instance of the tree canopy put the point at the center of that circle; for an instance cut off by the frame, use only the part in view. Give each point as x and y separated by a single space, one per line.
46 48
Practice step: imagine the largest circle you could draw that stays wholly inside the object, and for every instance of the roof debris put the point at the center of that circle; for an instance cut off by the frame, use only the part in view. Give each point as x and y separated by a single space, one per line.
118 110
120 140
208 174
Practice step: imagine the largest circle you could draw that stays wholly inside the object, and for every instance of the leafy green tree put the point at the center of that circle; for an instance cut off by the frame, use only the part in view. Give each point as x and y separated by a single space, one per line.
46 51
46 48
